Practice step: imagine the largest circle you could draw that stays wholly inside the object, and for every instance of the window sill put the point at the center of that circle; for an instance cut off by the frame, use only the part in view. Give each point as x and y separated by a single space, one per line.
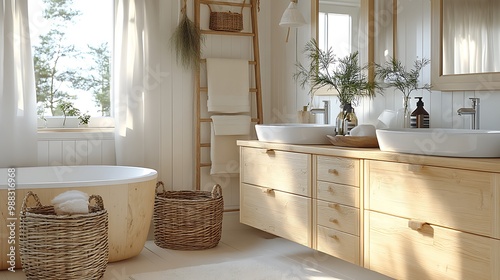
72 123
76 133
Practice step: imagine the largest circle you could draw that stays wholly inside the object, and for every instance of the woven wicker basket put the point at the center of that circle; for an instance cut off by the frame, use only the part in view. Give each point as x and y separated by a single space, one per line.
65 246
226 21
188 220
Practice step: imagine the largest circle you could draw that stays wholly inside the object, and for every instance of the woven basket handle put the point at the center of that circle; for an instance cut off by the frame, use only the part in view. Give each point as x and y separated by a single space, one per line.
160 183
242 6
98 201
25 201
216 191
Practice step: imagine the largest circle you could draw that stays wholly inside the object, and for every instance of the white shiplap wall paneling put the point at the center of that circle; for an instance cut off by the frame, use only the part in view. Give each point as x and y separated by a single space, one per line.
43 153
108 152
69 148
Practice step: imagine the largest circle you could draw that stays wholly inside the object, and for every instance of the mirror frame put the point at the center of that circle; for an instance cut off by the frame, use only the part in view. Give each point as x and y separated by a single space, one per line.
367 15
454 82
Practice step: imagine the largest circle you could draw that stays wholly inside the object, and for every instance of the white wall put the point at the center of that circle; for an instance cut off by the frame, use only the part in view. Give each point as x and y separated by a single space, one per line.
76 148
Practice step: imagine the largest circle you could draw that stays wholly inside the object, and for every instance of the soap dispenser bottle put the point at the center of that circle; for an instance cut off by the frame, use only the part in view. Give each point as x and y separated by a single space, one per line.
419 118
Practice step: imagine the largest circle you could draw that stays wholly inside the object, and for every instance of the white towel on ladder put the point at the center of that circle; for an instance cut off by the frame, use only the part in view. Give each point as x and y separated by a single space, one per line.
228 85
224 153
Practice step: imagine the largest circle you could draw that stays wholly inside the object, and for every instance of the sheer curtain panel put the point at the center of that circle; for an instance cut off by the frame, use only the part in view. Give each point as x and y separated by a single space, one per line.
136 85
18 131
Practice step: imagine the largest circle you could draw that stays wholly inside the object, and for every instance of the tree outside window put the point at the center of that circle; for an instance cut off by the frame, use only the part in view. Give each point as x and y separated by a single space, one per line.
67 70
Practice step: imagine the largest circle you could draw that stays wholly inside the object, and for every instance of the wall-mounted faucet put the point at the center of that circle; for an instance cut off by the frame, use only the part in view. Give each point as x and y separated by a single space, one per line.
474 112
325 110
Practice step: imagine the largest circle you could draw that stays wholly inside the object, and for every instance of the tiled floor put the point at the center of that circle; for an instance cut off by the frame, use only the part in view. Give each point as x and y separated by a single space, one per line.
238 242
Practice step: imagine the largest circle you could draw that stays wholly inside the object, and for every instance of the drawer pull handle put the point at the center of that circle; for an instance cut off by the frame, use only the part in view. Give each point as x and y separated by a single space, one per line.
416 225
334 205
333 171
267 190
270 151
335 221
333 236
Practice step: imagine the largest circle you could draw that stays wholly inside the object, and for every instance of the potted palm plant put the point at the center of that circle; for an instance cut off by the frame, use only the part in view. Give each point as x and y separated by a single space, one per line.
344 75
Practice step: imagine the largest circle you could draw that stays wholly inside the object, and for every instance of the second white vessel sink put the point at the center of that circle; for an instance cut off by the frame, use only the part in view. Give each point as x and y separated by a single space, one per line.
441 142
295 133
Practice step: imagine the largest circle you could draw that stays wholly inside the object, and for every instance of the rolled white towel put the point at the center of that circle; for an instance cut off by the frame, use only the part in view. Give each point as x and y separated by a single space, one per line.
73 206
69 195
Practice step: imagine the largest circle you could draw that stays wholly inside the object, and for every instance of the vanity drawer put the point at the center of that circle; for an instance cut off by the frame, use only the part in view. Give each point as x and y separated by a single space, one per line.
458 199
338 244
276 212
285 171
338 170
343 194
432 252
337 216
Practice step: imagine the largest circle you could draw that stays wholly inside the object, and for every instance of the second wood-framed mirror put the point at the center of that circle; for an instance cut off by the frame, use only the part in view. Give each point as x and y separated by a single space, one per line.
474 33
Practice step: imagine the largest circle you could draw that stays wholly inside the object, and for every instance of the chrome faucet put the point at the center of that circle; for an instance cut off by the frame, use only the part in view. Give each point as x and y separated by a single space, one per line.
474 112
325 110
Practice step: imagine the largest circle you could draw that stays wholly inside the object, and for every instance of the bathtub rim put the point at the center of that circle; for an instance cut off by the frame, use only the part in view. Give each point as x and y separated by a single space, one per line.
149 174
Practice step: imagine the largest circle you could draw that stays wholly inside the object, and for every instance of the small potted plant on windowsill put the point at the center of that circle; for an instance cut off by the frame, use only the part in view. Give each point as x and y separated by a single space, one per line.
84 120
69 110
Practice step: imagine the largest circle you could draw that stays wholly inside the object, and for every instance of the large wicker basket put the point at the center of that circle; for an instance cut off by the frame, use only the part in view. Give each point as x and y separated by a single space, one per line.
226 21
64 246
188 220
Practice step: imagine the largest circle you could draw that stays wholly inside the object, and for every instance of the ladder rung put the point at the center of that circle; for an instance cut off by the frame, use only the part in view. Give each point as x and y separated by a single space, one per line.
223 3
213 32
205 164
205 145
210 120
205 89
251 62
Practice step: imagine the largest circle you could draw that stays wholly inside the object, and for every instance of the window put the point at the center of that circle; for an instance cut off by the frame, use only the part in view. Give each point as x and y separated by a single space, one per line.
338 25
72 43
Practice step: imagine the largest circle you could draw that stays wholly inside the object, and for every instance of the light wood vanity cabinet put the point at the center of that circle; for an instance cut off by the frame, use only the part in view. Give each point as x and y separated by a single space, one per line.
427 222
275 193
336 207
439 219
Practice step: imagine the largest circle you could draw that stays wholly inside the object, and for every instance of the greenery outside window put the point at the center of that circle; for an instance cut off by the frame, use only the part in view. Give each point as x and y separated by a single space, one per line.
72 43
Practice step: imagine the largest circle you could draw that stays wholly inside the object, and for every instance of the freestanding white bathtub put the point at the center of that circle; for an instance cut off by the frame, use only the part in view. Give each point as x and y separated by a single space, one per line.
128 194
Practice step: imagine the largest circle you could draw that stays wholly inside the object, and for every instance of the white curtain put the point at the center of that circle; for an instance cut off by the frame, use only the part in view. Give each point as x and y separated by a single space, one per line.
136 85
18 130
471 34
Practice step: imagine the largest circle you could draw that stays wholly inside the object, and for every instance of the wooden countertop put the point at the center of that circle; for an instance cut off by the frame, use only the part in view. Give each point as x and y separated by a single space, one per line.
478 164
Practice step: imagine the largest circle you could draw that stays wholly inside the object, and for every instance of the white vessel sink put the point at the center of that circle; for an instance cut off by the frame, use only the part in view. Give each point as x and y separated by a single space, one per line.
441 142
294 133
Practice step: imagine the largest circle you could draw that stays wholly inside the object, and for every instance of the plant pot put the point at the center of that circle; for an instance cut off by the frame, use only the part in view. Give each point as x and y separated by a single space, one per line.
346 120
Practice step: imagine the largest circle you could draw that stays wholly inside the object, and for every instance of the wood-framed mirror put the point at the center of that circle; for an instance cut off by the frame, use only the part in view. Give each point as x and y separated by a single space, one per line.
451 39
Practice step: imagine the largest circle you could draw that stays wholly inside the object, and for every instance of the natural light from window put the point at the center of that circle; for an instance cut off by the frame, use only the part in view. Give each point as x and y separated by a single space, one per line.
335 32
72 43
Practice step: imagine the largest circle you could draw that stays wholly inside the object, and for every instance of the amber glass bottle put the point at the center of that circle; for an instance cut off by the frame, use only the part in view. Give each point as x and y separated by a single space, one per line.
419 118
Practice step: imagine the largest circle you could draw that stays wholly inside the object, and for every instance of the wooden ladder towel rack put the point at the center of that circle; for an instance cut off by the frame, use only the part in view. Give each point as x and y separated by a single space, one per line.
254 61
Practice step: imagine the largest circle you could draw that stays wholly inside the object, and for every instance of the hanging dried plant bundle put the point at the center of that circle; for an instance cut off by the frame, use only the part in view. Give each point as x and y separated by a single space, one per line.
186 41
